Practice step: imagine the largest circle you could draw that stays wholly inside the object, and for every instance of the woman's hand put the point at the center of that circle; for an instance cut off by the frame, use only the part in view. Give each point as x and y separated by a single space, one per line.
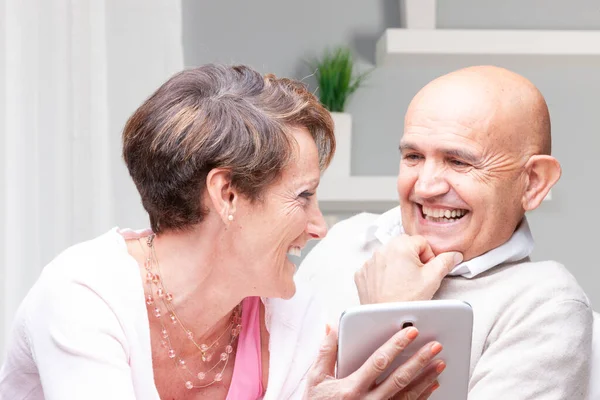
414 380
405 269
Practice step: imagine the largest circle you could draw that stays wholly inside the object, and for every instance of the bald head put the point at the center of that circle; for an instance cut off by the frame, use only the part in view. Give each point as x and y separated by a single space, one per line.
474 158
496 102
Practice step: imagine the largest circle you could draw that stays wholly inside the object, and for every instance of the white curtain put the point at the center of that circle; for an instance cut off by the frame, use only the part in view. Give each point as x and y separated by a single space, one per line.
71 72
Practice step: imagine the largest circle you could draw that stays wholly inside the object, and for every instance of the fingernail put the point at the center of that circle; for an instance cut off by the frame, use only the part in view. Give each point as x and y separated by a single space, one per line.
435 386
412 333
440 367
436 348
458 257
327 329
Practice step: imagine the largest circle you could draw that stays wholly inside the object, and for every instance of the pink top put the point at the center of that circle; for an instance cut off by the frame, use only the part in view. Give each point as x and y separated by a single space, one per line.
246 382
79 327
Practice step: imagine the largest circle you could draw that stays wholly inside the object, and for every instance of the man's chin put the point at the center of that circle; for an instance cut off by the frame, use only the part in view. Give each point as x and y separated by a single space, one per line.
442 246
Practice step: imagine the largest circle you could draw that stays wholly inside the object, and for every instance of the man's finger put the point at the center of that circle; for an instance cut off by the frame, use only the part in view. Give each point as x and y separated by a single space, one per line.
361 286
383 357
443 263
423 248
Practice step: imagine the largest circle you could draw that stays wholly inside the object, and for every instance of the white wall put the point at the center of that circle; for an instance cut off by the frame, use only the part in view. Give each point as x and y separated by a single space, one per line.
275 36
70 75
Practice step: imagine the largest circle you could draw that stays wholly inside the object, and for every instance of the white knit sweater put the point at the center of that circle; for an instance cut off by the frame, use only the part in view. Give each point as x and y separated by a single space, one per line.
532 329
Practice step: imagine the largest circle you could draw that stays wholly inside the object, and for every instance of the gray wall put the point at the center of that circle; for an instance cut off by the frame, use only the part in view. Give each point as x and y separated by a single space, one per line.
275 36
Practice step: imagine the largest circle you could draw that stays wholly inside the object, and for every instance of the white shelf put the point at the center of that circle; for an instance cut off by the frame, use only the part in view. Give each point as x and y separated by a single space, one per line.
357 193
359 188
398 42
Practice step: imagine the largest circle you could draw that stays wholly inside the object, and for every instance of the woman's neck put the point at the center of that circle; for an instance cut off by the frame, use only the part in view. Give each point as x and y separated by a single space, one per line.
200 278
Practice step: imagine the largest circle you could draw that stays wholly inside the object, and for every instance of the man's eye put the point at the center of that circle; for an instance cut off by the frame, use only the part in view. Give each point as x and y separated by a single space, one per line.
412 157
458 163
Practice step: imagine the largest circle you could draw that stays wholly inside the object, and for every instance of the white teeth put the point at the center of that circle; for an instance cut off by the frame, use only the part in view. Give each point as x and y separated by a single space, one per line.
446 214
441 219
295 251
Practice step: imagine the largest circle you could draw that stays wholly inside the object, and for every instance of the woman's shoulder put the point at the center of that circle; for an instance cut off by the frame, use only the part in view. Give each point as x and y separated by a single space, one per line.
88 301
94 259
97 270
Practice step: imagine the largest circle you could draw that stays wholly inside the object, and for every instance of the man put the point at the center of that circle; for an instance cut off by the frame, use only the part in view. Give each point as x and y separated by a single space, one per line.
475 157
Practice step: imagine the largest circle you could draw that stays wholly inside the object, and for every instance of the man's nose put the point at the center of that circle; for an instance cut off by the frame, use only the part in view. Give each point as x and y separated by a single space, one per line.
431 181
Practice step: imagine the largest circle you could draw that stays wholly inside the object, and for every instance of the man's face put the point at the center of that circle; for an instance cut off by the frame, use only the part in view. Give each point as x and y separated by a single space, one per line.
460 182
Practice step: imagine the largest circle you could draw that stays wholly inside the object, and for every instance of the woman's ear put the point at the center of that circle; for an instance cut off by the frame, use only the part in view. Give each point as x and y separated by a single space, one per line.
221 193
542 173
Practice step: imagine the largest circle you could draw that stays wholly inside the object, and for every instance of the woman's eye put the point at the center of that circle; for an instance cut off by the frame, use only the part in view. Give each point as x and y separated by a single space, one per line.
306 194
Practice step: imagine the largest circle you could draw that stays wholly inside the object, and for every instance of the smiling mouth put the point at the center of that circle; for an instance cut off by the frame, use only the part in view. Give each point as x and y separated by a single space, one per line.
295 251
294 255
442 215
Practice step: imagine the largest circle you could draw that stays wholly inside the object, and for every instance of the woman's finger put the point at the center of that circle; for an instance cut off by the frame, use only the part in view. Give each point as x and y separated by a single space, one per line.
324 365
405 374
425 381
382 358
429 391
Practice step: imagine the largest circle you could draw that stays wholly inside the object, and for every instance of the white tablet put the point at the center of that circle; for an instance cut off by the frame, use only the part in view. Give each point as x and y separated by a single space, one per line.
363 329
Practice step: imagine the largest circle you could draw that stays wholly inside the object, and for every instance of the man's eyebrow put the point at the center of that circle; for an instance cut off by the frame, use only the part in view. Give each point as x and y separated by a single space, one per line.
458 153
463 155
407 147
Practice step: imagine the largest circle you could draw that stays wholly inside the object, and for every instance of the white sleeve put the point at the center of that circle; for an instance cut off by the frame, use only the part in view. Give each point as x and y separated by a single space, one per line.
78 345
544 355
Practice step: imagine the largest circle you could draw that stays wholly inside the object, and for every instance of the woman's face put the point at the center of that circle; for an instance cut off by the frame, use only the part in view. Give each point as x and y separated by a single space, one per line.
280 224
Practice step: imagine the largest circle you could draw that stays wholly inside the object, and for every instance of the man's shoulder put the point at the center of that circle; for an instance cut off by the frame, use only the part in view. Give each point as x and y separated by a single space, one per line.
342 248
548 278
356 226
349 235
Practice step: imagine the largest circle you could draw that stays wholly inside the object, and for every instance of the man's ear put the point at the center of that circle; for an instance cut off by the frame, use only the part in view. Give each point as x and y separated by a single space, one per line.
221 193
542 173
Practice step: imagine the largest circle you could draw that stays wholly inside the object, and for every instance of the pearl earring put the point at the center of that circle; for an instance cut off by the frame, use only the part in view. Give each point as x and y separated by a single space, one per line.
230 217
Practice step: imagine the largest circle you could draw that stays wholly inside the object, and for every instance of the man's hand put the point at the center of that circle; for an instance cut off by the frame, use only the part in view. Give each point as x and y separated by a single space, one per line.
405 269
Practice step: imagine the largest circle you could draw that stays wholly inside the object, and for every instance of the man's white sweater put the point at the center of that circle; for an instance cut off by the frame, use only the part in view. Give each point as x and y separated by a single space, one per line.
532 329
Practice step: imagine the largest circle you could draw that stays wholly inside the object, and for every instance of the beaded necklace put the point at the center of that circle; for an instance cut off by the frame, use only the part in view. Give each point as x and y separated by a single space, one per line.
212 373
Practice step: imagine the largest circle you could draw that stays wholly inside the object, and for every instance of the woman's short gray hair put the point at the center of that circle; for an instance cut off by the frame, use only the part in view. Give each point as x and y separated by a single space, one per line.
217 116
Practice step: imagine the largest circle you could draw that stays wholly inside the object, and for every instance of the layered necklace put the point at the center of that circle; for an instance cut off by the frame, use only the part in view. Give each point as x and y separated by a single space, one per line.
215 355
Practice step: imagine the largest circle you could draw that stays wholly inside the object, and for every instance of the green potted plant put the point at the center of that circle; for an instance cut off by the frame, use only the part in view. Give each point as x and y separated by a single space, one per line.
336 77
337 80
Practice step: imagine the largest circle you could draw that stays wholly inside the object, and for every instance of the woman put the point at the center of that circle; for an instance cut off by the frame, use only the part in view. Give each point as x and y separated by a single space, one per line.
227 164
